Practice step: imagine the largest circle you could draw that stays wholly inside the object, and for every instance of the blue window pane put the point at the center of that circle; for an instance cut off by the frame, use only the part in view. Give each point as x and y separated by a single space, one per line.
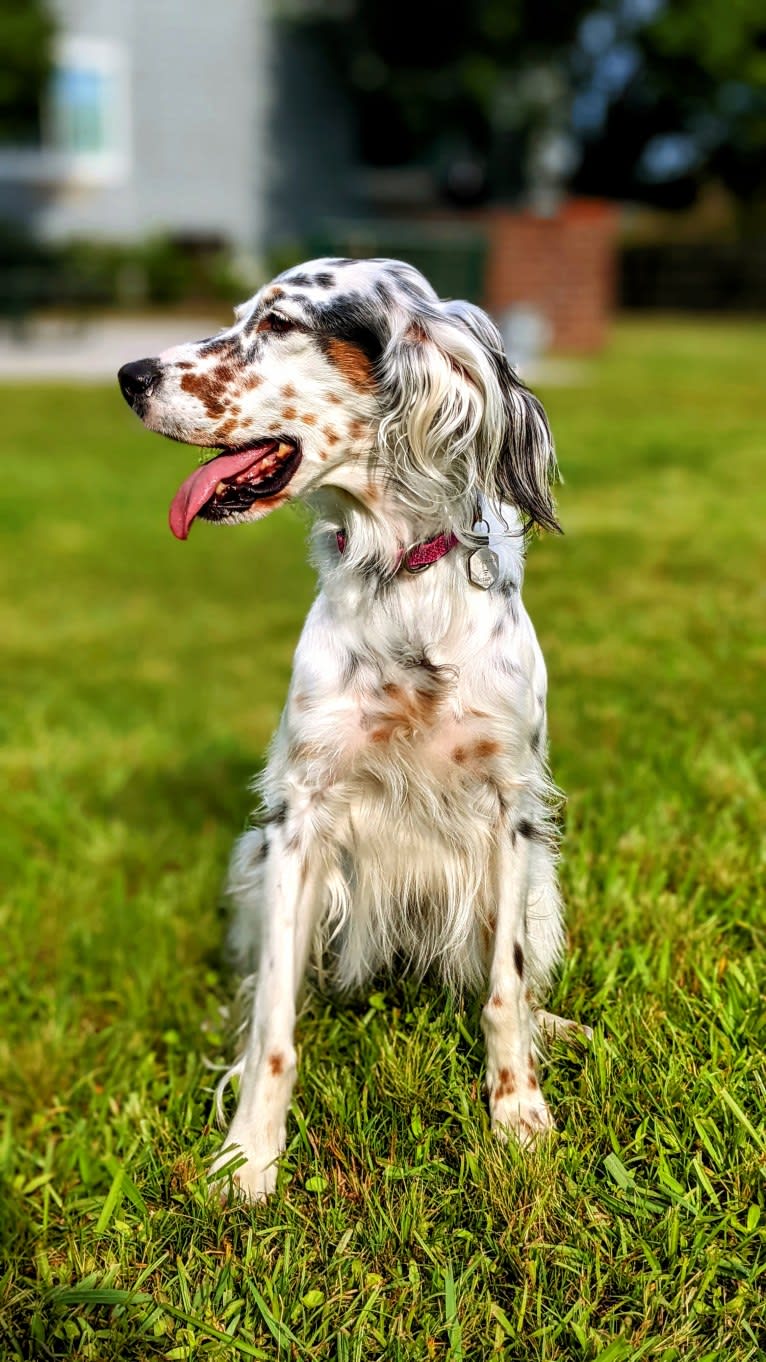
80 103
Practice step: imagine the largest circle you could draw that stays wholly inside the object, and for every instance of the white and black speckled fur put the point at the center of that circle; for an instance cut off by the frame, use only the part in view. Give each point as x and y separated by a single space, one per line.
406 807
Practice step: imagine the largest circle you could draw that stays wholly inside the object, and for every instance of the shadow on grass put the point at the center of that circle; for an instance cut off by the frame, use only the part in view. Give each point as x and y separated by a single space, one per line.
209 784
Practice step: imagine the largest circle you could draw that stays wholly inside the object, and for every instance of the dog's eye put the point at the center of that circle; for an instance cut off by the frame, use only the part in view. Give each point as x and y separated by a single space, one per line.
276 322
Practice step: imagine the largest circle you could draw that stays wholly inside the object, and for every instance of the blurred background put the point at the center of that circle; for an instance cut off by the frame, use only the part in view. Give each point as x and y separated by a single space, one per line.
593 174
553 162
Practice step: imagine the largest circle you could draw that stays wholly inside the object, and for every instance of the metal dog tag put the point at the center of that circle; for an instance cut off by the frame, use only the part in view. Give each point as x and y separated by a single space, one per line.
483 567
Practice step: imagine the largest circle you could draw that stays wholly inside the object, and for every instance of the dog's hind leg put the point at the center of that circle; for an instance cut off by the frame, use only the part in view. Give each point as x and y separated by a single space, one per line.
267 1067
515 1101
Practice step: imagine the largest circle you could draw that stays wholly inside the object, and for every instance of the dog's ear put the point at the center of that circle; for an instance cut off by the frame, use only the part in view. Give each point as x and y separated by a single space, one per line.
455 411
519 460
432 409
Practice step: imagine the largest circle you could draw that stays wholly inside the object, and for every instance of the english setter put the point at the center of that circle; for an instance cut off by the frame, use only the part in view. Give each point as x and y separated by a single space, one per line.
406 806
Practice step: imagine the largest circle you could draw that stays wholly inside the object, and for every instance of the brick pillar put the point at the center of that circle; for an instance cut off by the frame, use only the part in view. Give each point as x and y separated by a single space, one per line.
564 265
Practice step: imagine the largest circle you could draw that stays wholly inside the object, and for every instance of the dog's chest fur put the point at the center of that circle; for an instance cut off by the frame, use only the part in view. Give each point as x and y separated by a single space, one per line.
414 724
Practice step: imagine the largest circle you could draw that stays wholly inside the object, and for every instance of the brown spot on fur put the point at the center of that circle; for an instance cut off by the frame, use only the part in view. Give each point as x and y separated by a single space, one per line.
459 755
289 391
227 429
358 429
224 372
496 1000
416 334
350 361
404 711
532 1078
330 436
334 398
273 294
276 1064
253 381
288 413
195 384
485 747
207 390
506 1085
308 418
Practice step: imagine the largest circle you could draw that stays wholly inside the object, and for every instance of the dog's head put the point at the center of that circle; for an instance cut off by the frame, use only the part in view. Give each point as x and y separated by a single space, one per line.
339 371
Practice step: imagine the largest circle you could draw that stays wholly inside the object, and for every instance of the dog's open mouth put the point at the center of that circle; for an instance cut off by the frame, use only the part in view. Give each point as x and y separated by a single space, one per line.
229 484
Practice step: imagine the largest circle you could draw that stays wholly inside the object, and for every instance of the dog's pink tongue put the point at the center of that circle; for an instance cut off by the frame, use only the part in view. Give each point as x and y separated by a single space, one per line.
201 484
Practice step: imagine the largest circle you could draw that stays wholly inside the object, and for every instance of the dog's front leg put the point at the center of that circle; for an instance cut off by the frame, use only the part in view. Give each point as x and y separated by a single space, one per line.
268 1066
515 1101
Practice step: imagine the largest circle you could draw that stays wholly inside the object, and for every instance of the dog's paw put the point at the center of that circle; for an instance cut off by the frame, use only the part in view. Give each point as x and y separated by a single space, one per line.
235 1175
525 1118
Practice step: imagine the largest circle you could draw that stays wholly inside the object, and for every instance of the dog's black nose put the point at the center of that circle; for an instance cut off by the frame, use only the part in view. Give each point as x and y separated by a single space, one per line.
137 378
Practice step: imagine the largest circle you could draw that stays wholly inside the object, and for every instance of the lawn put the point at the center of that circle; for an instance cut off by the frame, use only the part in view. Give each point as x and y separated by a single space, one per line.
141 680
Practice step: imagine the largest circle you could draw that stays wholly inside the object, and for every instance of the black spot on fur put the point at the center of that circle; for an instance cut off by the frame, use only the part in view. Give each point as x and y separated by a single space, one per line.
351 318
351 665
298 279
278 815
528 830
324 280
435 674
215 345
518 959
508 589
376 572
427 665
535 740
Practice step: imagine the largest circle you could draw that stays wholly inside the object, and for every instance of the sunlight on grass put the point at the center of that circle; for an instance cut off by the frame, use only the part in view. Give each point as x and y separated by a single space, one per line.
140 685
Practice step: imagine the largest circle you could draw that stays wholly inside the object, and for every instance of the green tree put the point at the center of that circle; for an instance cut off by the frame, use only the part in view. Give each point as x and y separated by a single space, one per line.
26 32
476 79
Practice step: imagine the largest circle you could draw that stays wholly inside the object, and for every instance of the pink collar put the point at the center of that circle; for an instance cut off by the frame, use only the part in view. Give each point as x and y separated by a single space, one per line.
418 558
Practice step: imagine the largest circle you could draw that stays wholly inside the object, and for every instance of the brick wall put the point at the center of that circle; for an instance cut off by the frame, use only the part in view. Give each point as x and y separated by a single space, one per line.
564 265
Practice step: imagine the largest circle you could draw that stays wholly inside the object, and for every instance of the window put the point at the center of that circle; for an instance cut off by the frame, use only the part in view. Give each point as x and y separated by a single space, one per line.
85 120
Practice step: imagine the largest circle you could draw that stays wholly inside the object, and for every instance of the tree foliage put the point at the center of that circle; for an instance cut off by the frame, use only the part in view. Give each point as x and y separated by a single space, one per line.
26 32
692 104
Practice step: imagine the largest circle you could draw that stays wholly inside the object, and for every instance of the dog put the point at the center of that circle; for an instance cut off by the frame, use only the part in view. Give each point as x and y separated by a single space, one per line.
408 819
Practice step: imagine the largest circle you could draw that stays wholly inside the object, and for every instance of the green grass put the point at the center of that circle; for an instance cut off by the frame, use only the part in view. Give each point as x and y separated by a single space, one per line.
141 681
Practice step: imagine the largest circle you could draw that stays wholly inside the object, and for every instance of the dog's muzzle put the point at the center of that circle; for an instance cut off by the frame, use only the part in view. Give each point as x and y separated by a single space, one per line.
138 379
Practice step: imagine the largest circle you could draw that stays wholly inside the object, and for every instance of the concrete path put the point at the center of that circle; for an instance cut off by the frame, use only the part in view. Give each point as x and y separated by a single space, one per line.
92 351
